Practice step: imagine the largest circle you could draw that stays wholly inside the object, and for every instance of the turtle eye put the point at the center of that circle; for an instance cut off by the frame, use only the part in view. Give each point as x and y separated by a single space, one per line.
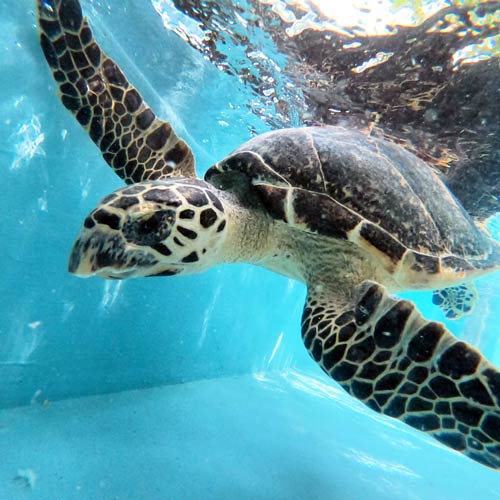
148 229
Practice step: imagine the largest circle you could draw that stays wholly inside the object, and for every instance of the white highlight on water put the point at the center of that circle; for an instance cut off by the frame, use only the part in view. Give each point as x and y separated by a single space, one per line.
207 315
276 347
110 293
27 141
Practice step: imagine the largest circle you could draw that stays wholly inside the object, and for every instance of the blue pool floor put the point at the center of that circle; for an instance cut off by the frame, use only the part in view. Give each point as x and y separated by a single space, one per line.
249 437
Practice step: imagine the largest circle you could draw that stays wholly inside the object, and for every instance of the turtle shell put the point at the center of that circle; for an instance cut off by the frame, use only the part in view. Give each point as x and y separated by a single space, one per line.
344 184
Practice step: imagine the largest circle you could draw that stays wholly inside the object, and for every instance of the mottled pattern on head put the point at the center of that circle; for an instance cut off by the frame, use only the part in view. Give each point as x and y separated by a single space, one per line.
155 228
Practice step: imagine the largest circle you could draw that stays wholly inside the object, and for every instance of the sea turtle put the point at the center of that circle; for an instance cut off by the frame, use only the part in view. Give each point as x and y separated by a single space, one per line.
353 217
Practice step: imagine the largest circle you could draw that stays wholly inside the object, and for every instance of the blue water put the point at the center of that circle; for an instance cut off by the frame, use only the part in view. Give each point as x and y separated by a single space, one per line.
194 387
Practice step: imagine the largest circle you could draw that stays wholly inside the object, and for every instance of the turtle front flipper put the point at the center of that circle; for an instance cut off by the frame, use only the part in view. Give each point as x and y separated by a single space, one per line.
136 144
383 352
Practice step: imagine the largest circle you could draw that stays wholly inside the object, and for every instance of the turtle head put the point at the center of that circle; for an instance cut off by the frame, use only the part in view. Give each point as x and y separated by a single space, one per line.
158 228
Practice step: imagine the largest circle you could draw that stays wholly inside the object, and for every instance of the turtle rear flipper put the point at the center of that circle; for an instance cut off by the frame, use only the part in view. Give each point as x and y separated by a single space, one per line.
456 301
136 144
382 351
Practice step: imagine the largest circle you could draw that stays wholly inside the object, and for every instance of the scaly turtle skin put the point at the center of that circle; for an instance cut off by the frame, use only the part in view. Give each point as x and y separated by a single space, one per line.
353 217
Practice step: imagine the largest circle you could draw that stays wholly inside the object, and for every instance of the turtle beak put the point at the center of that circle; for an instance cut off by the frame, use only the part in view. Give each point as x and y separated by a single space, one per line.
77 265
104 253
80 261
95 253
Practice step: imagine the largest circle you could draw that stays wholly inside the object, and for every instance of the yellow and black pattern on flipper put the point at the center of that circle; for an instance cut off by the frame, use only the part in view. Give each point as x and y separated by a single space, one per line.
133 141
383 352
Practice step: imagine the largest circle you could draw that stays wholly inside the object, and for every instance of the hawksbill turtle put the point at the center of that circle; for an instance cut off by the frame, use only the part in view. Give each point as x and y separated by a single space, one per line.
353 217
